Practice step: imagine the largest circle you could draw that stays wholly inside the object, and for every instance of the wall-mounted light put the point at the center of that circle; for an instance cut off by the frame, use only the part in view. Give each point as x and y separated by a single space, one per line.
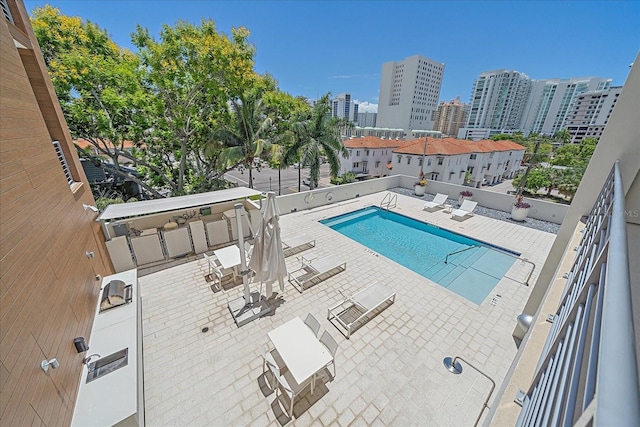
52 362
89 254
80 344
86 207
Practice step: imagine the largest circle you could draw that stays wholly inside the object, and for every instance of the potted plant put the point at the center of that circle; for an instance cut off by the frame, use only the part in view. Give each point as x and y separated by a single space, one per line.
420 185
520 209
464 195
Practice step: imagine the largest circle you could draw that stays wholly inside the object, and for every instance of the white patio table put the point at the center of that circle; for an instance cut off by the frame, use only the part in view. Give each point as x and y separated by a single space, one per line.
300 350
229 256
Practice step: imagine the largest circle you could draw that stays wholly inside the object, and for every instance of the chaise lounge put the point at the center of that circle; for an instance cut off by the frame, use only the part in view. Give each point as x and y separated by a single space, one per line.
297 244
312 270
464 211
437 202
355 308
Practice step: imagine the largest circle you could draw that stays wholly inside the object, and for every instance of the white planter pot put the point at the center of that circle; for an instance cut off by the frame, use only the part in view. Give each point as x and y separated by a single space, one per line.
519 214
419 189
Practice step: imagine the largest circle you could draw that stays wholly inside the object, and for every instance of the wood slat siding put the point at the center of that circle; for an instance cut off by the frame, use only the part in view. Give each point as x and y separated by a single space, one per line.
48 292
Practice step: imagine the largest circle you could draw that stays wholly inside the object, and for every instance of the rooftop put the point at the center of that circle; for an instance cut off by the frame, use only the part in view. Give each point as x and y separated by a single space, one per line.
389 372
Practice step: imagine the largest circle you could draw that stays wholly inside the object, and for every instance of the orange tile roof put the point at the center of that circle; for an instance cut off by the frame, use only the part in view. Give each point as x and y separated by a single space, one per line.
453 146
83 143
372 142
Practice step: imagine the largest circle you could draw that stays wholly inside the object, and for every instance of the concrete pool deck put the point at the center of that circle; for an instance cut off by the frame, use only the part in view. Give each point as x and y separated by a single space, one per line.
389 373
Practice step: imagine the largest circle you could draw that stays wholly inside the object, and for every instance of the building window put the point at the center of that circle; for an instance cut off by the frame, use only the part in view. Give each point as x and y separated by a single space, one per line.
408 160
428 162
356 165
399 158
366 152
473 157
420 161
378 163
440 161
63 162
358 153
350 152
491 155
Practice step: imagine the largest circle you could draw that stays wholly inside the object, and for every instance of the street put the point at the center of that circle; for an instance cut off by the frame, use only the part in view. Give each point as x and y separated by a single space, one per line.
267 179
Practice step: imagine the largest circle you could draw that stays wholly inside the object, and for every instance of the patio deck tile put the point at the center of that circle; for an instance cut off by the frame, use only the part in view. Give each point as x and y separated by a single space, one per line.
389 373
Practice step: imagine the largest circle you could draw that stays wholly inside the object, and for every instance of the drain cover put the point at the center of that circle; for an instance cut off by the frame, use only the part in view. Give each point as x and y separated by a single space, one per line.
205 329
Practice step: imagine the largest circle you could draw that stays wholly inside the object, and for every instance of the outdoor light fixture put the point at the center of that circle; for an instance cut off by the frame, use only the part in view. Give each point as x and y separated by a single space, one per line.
89 254
524 321
93 208
452 365
52 362
80 344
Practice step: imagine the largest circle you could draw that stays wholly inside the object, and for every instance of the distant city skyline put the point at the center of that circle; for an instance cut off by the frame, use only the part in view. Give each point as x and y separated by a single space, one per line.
304 45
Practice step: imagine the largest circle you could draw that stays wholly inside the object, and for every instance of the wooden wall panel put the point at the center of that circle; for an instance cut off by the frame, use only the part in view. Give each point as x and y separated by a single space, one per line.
48 292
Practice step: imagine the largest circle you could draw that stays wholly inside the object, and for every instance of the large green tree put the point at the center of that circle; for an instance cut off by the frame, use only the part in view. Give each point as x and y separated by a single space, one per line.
99 86
316 136
192 72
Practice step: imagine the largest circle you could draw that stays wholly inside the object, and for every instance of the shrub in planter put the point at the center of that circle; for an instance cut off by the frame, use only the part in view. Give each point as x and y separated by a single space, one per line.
520 209
420 185
463 195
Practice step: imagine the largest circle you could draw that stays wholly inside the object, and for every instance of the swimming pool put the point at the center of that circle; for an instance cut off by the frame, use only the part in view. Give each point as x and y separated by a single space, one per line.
471 272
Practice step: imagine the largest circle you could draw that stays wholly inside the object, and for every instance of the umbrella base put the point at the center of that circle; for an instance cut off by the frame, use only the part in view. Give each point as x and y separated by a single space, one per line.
244 313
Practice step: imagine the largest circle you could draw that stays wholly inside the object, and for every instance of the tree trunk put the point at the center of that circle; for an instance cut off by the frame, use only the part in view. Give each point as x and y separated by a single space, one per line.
250 177
299 177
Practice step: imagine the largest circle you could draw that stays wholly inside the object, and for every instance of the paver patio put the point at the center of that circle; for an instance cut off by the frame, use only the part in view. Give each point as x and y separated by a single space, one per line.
389 373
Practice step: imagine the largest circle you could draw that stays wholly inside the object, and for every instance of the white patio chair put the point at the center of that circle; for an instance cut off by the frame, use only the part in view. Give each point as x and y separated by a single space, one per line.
312 270
313 324
465 210
290 387
363 302
437 202
327 340
272 360
218 272
297 244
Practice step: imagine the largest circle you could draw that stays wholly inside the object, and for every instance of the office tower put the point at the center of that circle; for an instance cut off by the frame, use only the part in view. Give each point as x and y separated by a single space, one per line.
498 101
367 119
409 92
551 101
343 107
591 112
451 116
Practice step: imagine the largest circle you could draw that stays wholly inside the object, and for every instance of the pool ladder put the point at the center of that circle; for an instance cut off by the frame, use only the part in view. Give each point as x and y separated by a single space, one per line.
389 201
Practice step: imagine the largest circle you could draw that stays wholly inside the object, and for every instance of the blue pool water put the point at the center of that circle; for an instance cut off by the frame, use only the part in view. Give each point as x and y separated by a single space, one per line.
422 247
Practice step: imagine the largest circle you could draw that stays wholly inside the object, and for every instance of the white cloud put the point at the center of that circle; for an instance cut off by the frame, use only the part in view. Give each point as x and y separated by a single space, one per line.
366 107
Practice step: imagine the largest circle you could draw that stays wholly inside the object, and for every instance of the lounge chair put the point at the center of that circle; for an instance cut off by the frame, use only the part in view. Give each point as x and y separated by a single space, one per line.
465 210
356 307
436 203
297 244
311 271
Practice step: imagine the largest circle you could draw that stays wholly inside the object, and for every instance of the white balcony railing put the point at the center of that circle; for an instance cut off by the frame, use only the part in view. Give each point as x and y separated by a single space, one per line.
587 373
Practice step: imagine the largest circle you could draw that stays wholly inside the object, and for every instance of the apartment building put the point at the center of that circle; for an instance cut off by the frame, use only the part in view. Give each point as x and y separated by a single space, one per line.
591 112
449 160
343 107
52 251
498 101
409 93
451 116
368 156
551 102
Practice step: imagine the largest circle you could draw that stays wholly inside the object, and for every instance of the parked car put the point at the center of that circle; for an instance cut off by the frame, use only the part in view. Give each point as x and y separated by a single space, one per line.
306 182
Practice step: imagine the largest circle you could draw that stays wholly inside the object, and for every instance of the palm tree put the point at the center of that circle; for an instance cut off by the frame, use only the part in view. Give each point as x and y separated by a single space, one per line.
314 137
247 134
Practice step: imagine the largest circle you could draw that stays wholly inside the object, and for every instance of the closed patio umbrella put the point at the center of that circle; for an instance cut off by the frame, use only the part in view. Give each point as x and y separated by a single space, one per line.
267 259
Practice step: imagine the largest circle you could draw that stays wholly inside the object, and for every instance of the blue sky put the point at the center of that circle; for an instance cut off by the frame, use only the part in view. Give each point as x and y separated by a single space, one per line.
316 47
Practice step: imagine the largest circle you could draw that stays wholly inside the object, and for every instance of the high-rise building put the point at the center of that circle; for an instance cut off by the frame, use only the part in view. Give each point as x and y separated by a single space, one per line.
409 93
367 119
498 101
551 101
591 112
344 108
451 116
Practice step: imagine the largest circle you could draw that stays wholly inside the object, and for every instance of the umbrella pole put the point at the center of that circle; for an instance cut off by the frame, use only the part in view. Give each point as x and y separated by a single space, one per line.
243 258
